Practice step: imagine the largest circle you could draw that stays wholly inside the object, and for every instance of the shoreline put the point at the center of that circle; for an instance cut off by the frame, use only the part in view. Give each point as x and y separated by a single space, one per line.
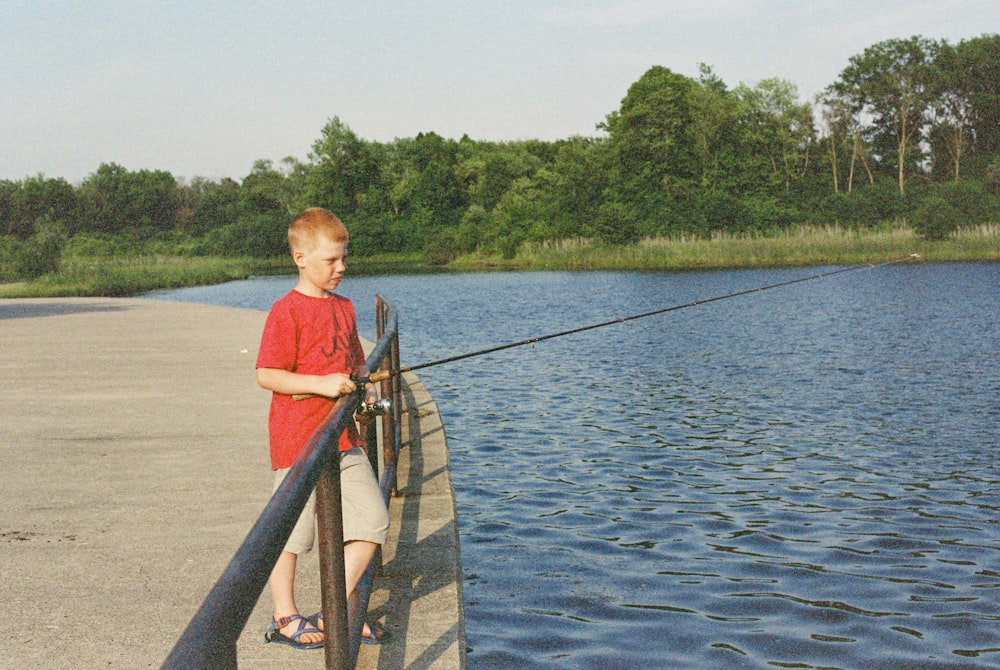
796 247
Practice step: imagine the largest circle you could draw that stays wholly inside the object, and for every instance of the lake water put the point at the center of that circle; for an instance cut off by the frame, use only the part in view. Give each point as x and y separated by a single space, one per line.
807 477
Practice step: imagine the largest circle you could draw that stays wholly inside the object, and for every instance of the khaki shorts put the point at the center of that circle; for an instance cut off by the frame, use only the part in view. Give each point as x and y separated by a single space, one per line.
365 515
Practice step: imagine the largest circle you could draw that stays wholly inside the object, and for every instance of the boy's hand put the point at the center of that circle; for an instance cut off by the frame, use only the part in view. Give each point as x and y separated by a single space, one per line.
336 385
301 387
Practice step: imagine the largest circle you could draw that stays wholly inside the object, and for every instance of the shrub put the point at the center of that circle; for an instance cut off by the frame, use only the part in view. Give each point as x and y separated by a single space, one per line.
768 213
259 237
970 200
8 251
934 219
441 246
39 254
90 245
616 223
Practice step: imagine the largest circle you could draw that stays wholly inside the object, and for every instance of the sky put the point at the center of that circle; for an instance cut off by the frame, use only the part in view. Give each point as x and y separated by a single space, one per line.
207 88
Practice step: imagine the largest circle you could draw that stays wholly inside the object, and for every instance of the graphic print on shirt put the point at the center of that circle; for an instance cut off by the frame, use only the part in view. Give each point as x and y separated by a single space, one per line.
340 340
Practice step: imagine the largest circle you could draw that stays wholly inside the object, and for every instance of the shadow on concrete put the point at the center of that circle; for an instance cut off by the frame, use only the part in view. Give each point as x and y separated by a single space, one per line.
420 581
27 310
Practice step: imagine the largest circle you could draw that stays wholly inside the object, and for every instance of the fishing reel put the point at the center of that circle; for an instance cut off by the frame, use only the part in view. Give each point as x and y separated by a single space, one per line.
377 408
367 410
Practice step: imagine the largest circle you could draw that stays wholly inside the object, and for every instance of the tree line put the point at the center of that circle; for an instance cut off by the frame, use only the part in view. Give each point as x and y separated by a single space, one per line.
910 130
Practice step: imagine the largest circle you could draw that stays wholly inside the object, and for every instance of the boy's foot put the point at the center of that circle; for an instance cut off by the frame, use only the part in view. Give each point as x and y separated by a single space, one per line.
373 634
295 631
367 637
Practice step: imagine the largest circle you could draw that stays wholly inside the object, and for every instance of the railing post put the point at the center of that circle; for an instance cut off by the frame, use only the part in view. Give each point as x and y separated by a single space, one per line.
369 432
390 388
333 585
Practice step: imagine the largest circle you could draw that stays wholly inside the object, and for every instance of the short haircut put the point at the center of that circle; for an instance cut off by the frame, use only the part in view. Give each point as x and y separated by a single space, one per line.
314 224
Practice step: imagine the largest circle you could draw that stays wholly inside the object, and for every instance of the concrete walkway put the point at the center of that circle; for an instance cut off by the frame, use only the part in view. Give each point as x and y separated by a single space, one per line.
134 443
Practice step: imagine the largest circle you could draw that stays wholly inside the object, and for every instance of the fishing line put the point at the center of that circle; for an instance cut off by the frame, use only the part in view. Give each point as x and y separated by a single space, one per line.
387 374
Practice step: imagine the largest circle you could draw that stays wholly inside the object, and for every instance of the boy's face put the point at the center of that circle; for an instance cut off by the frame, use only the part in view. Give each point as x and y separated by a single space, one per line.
322 267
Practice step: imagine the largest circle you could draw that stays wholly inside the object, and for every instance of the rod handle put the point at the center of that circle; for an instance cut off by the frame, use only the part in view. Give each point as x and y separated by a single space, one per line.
379 376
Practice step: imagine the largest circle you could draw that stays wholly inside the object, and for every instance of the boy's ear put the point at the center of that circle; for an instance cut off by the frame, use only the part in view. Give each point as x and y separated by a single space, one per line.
298 255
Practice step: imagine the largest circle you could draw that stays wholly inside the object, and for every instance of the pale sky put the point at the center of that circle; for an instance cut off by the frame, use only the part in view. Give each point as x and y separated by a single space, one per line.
206 88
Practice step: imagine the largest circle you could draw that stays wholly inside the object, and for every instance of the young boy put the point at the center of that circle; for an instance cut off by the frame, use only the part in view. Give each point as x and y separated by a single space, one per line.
310 346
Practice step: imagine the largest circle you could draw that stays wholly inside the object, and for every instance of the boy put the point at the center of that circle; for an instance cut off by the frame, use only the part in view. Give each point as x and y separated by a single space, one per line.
310 346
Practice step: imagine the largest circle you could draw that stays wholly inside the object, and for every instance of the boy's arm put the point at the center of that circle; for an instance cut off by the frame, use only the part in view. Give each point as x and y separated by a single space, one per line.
293 383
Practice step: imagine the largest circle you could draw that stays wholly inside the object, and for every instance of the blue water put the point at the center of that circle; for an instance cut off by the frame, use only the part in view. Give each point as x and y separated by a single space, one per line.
807 477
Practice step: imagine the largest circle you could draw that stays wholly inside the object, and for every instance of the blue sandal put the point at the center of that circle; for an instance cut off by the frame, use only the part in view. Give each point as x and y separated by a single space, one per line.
305 627
377 632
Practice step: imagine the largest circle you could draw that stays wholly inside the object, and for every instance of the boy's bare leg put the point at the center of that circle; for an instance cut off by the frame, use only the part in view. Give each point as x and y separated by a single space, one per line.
357 555
282 583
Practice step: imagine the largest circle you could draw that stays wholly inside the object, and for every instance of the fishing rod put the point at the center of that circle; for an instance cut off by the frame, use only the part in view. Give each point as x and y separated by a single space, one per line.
383 375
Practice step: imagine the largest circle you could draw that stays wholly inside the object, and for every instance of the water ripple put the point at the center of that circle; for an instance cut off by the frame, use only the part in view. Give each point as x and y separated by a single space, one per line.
807 478
743 524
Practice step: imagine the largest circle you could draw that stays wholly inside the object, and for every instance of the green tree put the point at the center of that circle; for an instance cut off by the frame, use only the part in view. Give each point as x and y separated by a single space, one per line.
653 154
138 203
834 118
492 168
843 140
616 223
471 230
777 130
991 176
980 58
7 191
209 205
436 187
342 168
580 181
37 198
893 82
259 236
714 115
522 215
952 119
270 191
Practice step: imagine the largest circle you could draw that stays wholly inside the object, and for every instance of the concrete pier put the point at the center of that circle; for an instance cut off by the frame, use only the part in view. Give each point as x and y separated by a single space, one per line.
134 444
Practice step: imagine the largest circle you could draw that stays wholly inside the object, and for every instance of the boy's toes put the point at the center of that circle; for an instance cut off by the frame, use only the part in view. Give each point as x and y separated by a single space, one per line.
296 631
301 634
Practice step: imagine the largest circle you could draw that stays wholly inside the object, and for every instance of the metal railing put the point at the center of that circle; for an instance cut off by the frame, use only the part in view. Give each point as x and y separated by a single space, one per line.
209 641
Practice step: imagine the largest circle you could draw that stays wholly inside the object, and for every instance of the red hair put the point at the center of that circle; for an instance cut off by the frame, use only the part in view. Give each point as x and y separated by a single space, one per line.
313 224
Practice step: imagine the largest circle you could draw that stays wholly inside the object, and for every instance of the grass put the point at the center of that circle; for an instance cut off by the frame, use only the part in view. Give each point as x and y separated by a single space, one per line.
103 276
116 276
805 246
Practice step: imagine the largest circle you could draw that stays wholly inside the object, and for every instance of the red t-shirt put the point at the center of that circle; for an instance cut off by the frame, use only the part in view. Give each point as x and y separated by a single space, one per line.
314 336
